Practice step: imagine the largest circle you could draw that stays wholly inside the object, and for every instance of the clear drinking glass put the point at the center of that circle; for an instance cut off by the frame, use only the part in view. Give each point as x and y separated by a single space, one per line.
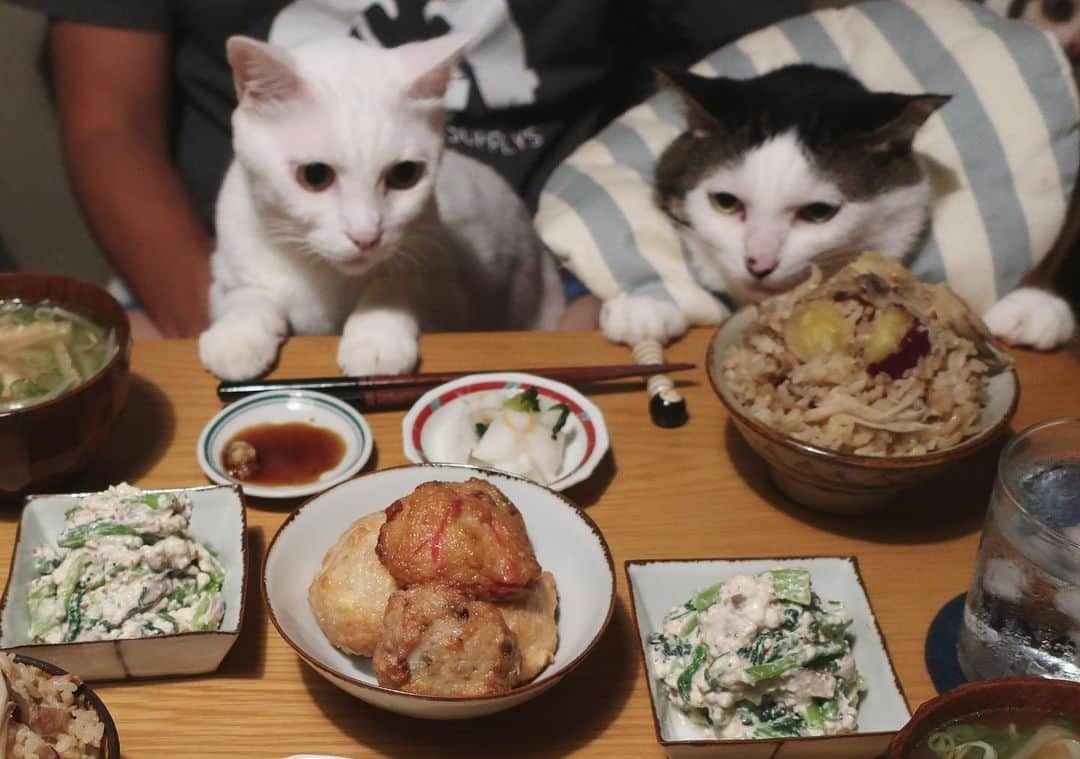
1022 615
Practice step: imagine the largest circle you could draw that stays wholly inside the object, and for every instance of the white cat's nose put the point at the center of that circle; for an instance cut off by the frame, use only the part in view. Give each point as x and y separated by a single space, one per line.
366 238
761 267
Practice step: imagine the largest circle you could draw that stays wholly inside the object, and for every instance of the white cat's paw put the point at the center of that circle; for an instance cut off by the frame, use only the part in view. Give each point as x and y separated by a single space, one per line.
1031 317
632 319
238 349
384 352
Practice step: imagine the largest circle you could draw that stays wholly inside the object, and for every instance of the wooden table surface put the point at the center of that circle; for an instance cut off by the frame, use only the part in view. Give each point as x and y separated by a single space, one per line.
696 491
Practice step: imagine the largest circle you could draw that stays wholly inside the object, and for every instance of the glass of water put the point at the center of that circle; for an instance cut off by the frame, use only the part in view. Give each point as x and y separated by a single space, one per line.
1022 615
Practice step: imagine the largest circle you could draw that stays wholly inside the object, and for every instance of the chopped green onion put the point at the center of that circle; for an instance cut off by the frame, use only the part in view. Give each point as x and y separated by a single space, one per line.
76 537
527 400
74 613
690 626
697 658
564 414
44 565
706 598
217 579
772 669
791 585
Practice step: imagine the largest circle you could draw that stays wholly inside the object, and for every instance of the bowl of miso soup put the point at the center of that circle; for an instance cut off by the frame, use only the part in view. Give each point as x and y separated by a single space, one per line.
65 347
1011 718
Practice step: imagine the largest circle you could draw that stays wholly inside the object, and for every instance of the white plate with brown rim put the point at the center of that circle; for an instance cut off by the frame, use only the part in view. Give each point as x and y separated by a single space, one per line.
657 586
218 522
566 542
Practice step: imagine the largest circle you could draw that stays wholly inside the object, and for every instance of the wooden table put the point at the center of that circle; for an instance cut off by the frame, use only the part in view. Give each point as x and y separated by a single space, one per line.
696 491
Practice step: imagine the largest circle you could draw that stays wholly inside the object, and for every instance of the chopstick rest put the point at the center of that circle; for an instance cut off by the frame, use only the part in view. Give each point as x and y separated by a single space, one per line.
667 408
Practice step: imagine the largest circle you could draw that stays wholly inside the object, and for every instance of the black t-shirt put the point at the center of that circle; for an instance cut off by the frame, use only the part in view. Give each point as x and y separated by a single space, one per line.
542 76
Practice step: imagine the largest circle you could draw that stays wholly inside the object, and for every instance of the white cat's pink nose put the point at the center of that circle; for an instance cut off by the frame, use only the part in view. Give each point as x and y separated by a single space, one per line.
761 267
367 238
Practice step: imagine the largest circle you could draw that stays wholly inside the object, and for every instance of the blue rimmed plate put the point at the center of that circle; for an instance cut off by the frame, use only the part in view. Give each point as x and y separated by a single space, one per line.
283 407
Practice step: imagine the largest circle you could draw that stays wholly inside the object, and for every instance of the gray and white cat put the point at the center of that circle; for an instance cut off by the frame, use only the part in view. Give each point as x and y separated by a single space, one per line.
342 211
800 166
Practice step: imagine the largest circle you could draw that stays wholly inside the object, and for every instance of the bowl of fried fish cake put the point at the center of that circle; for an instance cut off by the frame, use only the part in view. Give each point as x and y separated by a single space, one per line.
440 591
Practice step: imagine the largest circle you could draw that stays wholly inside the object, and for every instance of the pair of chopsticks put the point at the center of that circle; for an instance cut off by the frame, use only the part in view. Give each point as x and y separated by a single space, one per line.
380 392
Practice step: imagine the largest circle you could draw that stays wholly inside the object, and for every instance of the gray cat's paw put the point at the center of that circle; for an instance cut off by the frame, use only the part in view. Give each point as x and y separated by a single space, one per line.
238 349
1031 317
632 319
376 353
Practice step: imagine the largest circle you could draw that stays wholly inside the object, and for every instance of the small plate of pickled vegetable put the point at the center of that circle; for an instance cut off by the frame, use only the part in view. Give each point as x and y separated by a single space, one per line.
128 583
514 422
746 656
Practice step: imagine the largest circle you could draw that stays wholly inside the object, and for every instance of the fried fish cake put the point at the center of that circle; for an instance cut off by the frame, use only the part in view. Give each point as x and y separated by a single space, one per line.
349 594
438 642
465 534
533 622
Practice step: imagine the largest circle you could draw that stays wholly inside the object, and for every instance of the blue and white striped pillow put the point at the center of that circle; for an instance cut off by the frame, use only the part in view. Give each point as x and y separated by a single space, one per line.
1004 152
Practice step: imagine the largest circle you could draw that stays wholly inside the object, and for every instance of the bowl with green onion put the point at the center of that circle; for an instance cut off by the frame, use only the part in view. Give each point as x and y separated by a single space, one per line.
65 348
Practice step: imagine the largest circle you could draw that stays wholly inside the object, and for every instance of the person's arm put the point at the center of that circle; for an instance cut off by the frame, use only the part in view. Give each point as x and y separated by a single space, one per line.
112 90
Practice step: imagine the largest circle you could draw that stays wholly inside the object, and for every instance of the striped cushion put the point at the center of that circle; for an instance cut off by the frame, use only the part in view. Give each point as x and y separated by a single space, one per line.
1003 153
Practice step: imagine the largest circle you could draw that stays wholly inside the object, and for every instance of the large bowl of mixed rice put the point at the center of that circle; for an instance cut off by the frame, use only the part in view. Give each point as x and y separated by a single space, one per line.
45 713
857 386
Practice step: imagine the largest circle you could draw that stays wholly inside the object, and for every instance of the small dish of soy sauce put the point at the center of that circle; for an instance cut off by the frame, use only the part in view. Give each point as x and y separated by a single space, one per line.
285 443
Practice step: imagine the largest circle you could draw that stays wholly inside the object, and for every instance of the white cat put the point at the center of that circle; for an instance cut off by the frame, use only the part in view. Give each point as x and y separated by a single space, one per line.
800 166
342 209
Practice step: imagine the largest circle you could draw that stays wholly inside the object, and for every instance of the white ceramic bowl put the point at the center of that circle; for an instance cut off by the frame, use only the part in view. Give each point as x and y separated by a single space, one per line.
565 540
658 586
429 429
282 407
217 521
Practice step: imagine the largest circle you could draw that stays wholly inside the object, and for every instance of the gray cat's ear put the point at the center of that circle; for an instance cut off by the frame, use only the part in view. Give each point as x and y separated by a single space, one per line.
690 87
264 74
906 114
428 65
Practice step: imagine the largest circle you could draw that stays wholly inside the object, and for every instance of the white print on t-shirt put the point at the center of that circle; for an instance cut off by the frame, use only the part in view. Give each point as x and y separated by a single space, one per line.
495 63
494 141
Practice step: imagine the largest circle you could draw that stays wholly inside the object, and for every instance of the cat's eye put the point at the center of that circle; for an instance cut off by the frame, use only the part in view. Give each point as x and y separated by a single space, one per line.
316 176
817 213
725 202
403 175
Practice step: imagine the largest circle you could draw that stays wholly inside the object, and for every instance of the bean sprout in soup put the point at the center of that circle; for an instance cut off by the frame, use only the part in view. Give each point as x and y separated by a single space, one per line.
46 350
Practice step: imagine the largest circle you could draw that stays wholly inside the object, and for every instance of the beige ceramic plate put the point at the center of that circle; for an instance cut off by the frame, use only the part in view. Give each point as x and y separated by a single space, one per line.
567 543
658 586
217 521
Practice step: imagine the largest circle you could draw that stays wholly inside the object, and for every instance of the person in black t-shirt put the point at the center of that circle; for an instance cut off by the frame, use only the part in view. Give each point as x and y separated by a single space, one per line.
145 95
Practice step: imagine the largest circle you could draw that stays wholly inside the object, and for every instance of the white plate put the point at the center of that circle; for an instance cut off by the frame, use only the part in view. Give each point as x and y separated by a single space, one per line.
565 540
658 586
217 521
282 407
433 425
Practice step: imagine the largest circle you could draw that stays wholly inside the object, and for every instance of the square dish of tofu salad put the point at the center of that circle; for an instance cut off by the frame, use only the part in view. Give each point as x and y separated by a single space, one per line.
760 656
124 566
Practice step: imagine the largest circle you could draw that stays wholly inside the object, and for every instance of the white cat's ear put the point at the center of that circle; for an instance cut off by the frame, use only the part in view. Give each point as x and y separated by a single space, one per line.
688 86
428 65
906 114
264 74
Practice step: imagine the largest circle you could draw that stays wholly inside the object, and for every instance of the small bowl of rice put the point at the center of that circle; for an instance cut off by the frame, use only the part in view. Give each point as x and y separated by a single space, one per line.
46 713
858 386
